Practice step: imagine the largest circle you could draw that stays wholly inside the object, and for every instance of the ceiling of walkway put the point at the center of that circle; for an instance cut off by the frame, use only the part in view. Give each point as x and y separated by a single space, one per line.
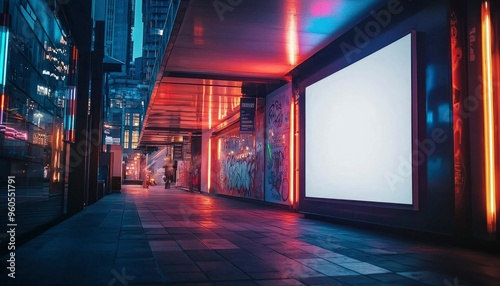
226 48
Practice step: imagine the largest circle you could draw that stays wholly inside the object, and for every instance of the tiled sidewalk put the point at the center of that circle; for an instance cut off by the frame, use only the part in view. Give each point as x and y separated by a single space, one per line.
173 237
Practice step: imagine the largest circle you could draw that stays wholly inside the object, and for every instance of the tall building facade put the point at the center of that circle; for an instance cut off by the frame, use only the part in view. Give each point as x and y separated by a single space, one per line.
154 15
119 19
36 113
124 106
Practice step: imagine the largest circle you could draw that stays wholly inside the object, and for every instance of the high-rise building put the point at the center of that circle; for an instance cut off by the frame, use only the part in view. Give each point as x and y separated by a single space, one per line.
124 106
118 31
154 15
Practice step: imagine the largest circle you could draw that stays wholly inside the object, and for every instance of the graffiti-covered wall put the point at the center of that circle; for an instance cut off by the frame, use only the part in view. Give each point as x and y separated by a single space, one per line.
238 162
277 179
184 176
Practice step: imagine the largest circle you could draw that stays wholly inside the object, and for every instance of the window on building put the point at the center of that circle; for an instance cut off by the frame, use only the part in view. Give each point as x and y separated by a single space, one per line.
116 103
127 119
135 139
126 134
136 120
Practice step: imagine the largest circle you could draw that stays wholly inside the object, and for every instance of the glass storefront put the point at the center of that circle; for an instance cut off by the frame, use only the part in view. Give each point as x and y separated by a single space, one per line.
33 110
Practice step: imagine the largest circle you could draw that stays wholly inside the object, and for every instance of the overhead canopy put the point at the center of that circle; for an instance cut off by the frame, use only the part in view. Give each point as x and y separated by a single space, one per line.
111 64
221 50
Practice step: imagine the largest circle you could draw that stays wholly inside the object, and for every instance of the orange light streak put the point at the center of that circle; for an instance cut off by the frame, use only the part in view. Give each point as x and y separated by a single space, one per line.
297 143
203 100
292 152
1 110
488 117
209 169
292 42
219 148
210 93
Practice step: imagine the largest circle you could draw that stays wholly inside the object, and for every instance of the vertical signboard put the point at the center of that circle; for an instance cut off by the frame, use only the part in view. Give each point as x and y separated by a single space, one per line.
4 48
460 122
69 118
247 115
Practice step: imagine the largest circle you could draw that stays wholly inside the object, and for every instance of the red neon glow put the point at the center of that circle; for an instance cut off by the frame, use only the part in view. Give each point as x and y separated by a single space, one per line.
488 117
203 112
209 169
219 148
2 107
210 94
292 152
74 53
13 133
322 8
292 41
198 32
297 144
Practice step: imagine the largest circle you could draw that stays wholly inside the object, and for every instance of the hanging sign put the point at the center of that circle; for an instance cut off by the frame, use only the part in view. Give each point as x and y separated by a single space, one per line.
247 115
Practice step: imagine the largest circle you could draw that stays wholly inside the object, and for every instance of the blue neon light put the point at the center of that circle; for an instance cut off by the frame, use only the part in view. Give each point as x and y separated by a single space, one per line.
4 49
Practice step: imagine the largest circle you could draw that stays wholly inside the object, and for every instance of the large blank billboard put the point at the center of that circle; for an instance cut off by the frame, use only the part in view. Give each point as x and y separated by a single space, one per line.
359 129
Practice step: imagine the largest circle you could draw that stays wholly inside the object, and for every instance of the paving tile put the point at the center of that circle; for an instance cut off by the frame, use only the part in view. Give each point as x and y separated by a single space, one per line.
392 266
358 279
222 270
341 259
281 282
167 243
167 268
204 255
333 270
321 281
267 275
190 284
172 257
428 277
363 268
185 277
253 265
183 238
192 244
393 278
297 254
236 282
231 275
219 243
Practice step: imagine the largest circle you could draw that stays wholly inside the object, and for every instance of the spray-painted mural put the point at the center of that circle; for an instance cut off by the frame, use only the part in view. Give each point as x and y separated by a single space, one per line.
277 149
183 176
260 159
238 167
238 163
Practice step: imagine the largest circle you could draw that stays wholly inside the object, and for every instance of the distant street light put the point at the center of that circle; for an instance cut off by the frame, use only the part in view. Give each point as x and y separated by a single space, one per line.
38 115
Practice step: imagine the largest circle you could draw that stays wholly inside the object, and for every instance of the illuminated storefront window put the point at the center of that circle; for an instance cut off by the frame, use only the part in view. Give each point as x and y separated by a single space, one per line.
127 119
136 120
135 139
126 140
37 105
